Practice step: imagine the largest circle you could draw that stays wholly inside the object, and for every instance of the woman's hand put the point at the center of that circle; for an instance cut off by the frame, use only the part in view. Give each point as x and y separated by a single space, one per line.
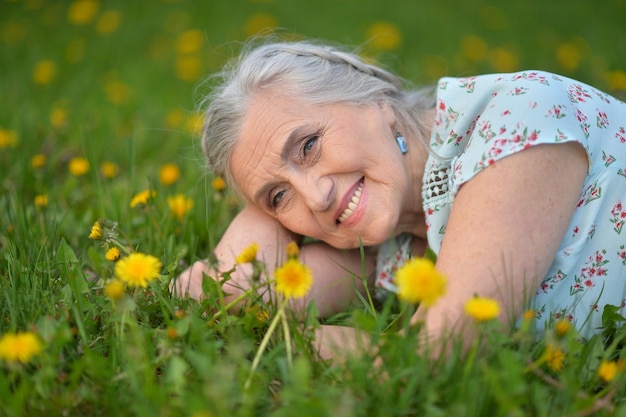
189 282
336 272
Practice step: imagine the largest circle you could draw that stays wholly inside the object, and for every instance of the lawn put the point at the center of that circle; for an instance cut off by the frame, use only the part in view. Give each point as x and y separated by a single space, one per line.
99 150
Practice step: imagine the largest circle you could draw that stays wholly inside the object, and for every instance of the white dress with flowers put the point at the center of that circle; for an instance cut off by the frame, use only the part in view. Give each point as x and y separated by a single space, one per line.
482 119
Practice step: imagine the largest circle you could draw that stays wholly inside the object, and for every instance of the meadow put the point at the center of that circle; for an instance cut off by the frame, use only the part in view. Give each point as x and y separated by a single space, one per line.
101 175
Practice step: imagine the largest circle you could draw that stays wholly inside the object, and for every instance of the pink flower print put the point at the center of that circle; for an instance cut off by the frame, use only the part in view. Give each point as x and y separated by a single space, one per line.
518 91
502 130
454 137
591 232
531 76
590 193
468 84
485 132
621 172
594 267
618 217
577 94
557 111
608 159
551 281
523 139
621 253
472 126
584 125
560 136
575 231
603 96
621 134
507 112
443 85
532 105
602 120
449 117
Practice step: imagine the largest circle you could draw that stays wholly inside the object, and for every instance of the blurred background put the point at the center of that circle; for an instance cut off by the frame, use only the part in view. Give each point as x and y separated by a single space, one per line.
118 82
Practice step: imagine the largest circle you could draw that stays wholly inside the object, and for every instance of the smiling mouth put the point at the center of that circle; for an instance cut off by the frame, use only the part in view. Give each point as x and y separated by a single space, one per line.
352 205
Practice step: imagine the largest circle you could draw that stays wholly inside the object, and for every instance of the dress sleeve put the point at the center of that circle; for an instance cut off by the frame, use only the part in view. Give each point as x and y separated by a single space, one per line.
503 114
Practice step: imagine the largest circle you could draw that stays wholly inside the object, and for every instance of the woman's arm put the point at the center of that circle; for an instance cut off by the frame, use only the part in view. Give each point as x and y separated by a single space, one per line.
505 229
334 270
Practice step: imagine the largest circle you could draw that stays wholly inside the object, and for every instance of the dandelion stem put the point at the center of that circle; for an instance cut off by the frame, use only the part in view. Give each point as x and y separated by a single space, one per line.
263 345
287 338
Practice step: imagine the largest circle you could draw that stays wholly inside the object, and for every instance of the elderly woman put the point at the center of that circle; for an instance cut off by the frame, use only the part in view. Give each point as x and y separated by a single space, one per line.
515 181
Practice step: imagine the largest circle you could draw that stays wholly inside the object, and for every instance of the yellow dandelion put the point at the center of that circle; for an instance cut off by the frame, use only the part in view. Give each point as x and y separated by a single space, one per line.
561 327
263 316
116 91
82 12
179 205
292 249
555 357
108 22
114 289
142 198
96 231
188 67
44 71
616 80
503 60
482 309
248 254
194 122
169 174
41 201
218 184
12 33
293 279
109 169
608 370
570 54
138 269
112 254
8 138
190 41
38 161
384 36
260 23
172 333
78 166
19 347
174 118
528 315
58 117
419 281
474 48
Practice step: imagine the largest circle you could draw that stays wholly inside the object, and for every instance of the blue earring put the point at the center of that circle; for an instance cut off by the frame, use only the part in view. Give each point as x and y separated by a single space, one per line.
402 144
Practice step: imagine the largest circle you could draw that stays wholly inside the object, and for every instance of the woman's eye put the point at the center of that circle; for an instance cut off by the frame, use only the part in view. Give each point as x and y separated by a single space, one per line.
277 198
308 145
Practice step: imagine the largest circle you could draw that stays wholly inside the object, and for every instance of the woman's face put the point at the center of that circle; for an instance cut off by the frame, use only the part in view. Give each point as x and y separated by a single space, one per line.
331 172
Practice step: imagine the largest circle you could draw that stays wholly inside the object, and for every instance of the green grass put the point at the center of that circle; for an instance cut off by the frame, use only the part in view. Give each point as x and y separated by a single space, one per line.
122 100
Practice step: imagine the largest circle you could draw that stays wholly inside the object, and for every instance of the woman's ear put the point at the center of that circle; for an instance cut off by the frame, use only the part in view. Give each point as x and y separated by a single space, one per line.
388 112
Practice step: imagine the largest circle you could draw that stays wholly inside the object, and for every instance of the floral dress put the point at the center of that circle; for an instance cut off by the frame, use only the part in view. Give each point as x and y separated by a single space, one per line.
481 120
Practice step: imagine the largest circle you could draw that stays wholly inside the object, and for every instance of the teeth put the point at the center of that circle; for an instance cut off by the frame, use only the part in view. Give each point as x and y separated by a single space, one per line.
352 205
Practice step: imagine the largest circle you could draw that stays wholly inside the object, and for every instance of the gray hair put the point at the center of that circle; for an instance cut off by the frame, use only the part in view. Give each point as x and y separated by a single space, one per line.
320 74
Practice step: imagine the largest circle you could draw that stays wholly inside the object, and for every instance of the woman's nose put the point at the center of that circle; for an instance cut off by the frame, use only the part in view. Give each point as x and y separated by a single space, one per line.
317 192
